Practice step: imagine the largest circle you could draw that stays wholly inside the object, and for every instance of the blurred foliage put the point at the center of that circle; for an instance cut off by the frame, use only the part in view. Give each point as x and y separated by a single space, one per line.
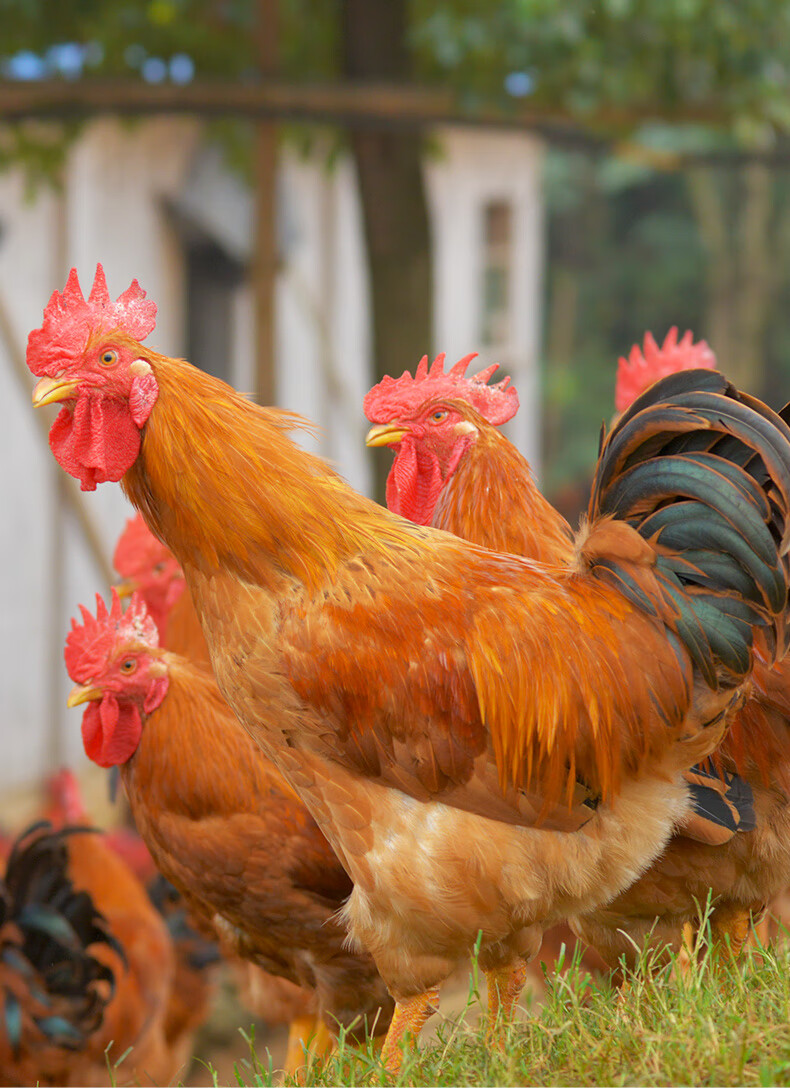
729 58
581 57
577 57
217 35
625 255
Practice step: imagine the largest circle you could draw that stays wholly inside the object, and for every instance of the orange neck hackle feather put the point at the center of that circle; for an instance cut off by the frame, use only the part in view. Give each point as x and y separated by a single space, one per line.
221 482
492 499
189 732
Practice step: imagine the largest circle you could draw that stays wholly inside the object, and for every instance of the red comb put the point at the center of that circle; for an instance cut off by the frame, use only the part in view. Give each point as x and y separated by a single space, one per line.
69 320
404 395
65 797
138 550
89 643
636 373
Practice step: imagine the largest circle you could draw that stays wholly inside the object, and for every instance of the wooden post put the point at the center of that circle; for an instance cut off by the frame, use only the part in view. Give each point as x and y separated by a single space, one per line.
394 203
264 262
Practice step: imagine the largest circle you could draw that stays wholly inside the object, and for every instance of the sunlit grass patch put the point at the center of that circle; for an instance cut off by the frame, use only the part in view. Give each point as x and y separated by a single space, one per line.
707 1022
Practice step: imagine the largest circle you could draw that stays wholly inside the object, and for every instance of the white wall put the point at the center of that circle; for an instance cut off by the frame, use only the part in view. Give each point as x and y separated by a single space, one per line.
468 169
110 211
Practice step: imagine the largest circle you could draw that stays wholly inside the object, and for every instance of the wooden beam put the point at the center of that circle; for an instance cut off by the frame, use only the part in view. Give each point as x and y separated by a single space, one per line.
347 103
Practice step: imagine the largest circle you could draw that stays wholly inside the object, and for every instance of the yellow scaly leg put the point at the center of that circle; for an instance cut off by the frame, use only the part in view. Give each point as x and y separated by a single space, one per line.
504 989
733 923
407 1020
301 1032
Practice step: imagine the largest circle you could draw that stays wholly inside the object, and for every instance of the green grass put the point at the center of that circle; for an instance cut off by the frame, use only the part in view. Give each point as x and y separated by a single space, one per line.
718 1023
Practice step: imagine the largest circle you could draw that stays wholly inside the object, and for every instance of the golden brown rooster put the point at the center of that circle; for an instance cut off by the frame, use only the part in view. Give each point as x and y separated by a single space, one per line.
240 847
149 569
491 745
748 871
488 494
134 1028
55 983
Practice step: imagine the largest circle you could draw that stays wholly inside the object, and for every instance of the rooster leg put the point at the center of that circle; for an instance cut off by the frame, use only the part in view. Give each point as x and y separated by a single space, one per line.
301 1034
408 1019
504 989
729 928
760 933
686 953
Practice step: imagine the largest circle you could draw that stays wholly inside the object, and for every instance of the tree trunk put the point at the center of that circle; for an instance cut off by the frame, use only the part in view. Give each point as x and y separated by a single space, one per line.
708 204
394 206
757 277
742 268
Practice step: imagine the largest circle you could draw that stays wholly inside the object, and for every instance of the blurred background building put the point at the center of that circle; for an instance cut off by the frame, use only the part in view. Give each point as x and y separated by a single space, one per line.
317 192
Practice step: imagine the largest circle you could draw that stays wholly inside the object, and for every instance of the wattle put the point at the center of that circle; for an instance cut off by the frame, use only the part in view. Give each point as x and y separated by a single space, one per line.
111 731
97 441
414 483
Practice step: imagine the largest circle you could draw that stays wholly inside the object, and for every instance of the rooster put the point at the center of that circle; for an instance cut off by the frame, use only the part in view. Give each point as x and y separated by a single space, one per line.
240 846
491 745
133 1032
149 569
746 873
461 474
191 989
489 493
55 984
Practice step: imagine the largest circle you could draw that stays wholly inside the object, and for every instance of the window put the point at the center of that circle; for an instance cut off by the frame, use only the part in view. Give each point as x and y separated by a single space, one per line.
495 327
211 280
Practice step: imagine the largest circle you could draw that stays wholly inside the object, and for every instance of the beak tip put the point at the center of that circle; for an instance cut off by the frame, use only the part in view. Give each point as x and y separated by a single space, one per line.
52 391
82 693
384 434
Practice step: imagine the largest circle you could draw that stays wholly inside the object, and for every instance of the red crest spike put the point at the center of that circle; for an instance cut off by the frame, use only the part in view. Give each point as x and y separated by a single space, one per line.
89 644
484 374
70 321
72 293
642 368
403 398
99 295
461 367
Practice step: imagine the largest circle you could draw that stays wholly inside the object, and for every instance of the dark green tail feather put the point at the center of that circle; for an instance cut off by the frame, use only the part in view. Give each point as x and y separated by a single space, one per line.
703 472
46 932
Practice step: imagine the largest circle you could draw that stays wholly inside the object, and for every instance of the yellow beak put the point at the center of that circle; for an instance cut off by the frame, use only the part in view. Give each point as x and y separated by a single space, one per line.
52 390
125 589
85 694
384 434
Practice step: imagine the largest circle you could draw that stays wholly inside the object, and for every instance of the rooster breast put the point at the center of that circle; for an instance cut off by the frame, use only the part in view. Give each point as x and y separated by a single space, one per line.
428 876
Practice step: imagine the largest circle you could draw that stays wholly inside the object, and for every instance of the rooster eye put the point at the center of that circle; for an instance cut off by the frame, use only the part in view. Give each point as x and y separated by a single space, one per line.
159 568
107 358
128 666
439 415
